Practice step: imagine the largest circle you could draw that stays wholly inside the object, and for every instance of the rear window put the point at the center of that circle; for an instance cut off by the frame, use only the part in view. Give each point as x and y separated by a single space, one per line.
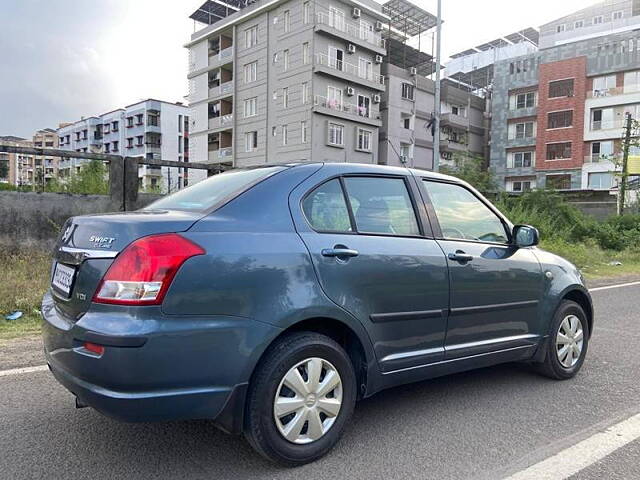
206 194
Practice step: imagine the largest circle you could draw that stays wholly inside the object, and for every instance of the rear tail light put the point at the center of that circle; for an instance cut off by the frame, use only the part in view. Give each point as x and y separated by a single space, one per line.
142 272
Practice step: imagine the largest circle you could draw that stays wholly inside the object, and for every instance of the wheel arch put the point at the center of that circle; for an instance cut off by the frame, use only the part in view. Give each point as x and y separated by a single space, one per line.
582 298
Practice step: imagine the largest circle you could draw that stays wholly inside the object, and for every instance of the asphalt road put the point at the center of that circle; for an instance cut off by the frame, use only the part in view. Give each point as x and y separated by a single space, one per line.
484 424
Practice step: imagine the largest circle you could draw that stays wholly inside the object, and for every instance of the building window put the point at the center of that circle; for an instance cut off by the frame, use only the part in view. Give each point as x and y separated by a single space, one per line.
521 185
618 15
560 28
459 111
407 91
364 106
285 134
303 131
364 140
130 142
286 19
600 180
114 146
305 53
559 182
179 144
562 119
306 12
601 151
603 85
406 123
114 126
525 100
129 122
285 60
365 69
632 80
251 72
561 88
335 135
334 97
251 107
305 92
597 20
285 97
250 141
578 24
251 36
559 151
153 120
524 130
106 147
140 141
520 160
139 117
180 123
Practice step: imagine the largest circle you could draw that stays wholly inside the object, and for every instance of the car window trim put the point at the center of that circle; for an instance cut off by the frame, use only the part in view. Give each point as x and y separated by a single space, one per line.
354 226
433 216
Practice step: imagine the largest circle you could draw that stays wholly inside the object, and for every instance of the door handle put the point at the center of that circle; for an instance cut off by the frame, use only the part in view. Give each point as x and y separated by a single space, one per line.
460 256
339 251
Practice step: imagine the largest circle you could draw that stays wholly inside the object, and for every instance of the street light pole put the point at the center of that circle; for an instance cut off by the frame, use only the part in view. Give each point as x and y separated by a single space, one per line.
437 109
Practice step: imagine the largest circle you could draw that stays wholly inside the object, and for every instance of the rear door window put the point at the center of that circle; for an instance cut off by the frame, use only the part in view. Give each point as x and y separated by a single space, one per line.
326 208
381 205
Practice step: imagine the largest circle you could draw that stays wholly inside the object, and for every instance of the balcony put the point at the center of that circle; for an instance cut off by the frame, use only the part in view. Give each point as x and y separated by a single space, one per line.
453 145
221 90
222 121
454 120
597 125
521 142
221 57
596 158
350 32
347 111
348 71
221 155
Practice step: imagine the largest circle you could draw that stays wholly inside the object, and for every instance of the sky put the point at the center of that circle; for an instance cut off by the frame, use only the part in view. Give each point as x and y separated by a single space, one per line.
64 59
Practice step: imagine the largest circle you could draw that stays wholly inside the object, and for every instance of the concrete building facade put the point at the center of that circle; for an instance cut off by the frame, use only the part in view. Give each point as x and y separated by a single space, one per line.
18 169
151 129
558 114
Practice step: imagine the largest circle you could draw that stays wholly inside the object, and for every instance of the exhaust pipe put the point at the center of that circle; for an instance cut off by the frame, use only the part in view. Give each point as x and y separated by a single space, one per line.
80 404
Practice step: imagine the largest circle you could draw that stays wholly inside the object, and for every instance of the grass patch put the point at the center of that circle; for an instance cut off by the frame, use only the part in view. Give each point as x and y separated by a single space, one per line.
24 277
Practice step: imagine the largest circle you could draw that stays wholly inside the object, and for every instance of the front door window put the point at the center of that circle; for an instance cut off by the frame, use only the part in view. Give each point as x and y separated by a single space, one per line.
364 106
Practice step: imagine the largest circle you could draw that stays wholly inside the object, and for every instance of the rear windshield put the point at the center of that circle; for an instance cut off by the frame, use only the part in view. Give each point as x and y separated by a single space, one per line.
206 194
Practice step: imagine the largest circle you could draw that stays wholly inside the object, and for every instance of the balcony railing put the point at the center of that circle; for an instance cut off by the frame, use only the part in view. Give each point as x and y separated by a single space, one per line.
343 107
221 121
221 54
357 31
598 158
224 89
606 124
221 154
613 92
355 70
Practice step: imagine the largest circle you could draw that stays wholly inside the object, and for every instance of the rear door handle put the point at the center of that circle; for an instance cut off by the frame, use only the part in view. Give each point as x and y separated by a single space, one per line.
460 256
339 252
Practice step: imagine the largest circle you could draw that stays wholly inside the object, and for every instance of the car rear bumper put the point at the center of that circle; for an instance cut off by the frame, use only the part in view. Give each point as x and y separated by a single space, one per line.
155 366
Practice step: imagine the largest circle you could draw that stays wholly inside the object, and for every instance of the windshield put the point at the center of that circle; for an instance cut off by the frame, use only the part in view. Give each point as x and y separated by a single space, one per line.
206 194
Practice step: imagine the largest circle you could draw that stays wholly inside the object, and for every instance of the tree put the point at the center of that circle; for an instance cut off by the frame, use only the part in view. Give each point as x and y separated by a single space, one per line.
630 142
4 169
471 169
92 179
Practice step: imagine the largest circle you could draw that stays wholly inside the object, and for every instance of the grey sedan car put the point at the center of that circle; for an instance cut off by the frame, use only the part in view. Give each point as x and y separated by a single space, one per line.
271 299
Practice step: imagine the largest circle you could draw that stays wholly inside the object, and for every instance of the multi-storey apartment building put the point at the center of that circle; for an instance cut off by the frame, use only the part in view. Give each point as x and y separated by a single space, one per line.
407 112
287 80
18 169
151 129
46 167
558 114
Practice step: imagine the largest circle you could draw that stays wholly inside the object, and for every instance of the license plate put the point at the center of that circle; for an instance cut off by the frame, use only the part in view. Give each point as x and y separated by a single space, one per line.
63 278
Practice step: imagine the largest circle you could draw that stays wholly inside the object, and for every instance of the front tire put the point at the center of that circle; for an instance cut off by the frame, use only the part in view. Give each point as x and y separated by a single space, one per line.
568 342
300 399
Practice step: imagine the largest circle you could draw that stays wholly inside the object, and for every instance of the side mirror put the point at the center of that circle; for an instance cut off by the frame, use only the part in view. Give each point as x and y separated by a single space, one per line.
526 236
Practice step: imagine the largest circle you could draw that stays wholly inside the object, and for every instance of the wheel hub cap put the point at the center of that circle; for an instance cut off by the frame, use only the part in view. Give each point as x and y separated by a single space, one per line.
308 400
569 341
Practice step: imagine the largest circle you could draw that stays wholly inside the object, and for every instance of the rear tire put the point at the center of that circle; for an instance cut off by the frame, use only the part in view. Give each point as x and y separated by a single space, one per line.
567 344
310 376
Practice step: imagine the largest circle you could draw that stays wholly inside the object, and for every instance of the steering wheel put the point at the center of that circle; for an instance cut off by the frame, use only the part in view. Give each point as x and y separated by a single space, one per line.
458 233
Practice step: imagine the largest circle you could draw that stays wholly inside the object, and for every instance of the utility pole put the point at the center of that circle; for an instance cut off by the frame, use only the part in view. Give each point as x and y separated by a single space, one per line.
626 145
437 109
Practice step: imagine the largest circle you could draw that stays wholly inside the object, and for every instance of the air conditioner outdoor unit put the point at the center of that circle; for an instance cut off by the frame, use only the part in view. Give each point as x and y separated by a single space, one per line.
376 98
351 91
379 59
379 26
355 12
351 48
414 71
